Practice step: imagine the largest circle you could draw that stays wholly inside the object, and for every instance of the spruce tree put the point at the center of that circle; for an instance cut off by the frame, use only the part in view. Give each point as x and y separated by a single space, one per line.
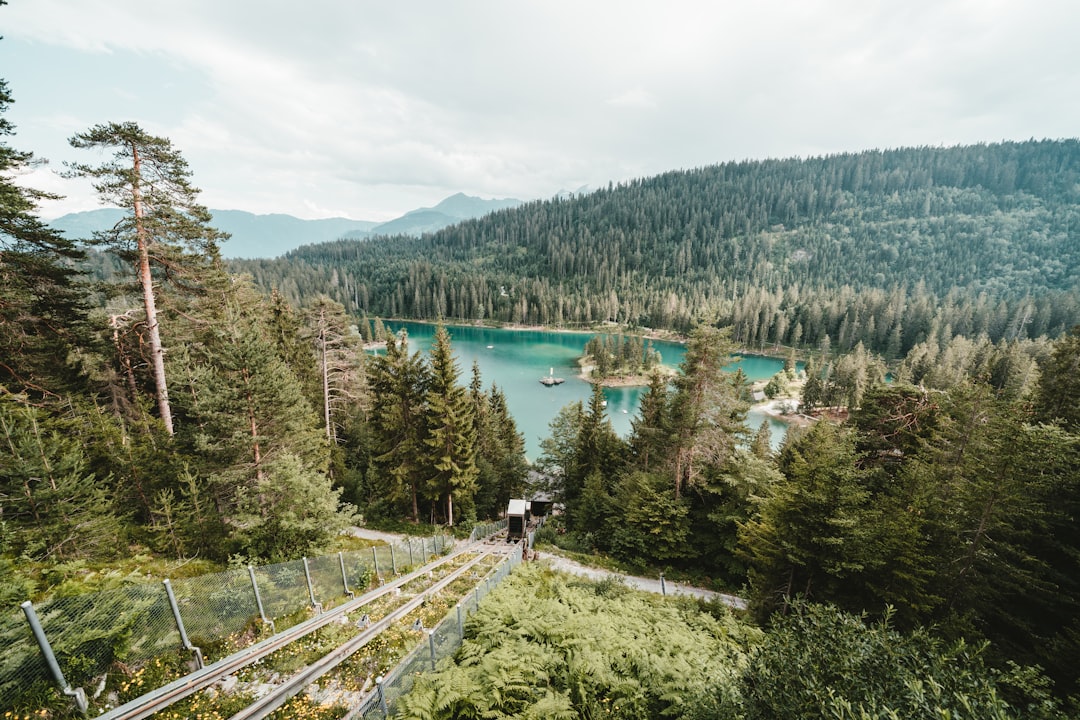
54 505
650 429
399 384
1058 397
451 437
808 537
250 426
41 301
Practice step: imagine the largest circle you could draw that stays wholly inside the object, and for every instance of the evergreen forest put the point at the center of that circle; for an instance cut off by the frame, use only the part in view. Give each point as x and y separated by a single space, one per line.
911 550
888 248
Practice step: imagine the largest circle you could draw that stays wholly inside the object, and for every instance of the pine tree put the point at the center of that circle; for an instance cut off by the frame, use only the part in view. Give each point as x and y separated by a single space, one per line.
451 437
650 432
707 412
399 385
166 226
339 358
53 503
1058 397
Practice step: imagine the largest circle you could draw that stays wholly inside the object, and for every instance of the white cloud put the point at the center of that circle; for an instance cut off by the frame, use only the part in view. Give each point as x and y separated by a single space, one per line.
372 108
635 98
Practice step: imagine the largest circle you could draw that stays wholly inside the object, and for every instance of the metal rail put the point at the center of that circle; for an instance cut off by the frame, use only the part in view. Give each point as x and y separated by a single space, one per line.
157 700
270 702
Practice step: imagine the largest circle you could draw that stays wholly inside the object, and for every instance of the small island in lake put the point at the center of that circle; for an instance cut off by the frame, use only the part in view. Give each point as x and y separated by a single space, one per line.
620 361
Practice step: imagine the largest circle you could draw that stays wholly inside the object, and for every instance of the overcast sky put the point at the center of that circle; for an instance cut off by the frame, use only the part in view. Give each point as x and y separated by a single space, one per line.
366 109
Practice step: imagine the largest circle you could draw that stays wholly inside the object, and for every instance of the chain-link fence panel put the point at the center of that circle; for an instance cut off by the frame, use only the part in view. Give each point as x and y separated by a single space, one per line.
486 529
411 554
23 672
283 587
216 606
327 580
380 556
359 570
153 627
400 680
135 623
446 636
90 632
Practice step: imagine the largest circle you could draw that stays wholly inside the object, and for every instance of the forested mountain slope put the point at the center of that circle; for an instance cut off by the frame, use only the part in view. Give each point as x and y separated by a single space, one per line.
886 247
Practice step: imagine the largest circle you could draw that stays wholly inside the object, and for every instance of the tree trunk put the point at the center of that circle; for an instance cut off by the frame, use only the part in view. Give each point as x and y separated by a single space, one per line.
157 352
450 509
326 387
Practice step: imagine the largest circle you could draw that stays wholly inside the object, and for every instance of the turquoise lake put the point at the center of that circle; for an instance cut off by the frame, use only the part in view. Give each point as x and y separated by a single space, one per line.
515 360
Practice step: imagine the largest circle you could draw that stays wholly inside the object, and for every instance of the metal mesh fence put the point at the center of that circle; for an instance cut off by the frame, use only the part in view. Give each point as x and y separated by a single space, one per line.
132 624
446 638
358 570
216 606
283 588
88 633
486 529
22 669
327 581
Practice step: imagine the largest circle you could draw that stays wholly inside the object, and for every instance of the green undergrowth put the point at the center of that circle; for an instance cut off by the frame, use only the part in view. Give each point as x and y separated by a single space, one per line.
694 578
550 645
546 645
42 580
407 527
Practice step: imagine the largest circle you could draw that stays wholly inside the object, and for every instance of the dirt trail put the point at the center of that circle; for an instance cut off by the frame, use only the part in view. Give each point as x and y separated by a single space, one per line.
641 583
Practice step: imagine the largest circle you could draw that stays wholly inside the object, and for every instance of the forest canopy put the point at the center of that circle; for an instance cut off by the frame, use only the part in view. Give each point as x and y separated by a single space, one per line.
879 247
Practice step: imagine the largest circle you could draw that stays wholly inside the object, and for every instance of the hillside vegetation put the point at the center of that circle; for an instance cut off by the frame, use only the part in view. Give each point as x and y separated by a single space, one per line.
547 646
882 247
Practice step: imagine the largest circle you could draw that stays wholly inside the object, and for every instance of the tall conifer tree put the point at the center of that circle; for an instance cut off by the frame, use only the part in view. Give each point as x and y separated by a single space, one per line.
451 438
165 225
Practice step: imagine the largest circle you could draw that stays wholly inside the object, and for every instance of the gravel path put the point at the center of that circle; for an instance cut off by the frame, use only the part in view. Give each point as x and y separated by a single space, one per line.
641 583
375 535
567 565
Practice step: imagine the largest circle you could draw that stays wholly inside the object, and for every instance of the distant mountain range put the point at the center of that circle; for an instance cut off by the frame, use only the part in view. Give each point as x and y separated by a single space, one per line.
267 236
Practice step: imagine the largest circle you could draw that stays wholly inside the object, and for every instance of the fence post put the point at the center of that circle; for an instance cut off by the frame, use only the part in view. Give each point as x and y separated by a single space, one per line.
663 585
311 589
431 646
460 625
476 597
258 599
411 562
375 557
344 578
382 697
393 560
50 659
180 624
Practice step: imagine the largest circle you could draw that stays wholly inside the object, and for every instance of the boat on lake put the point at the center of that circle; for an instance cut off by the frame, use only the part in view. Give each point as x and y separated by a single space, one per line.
550 379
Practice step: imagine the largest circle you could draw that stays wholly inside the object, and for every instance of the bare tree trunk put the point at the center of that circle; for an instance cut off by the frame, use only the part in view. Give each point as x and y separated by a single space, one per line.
125 361
146 280
253 424
326 387
450 509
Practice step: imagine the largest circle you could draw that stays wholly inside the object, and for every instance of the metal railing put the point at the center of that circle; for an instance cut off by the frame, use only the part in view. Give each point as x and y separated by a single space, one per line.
74 642
442 641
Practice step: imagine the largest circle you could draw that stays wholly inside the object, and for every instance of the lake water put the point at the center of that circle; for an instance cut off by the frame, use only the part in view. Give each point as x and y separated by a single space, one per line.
515 360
